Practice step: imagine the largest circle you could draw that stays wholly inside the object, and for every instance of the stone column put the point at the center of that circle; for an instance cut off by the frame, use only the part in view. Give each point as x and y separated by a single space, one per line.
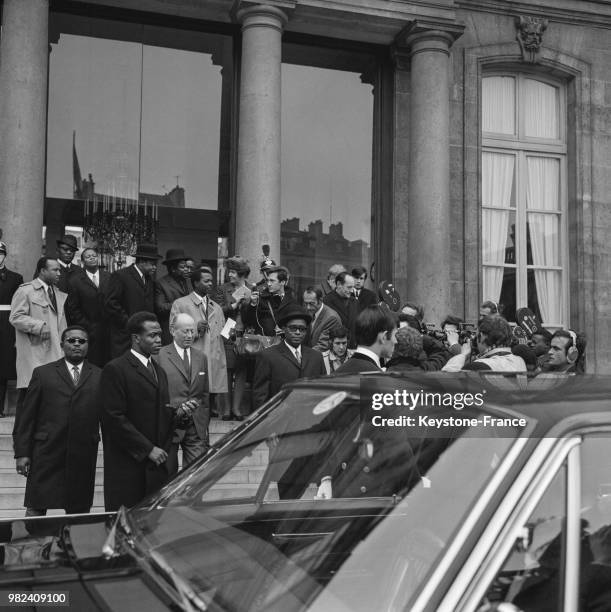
258 181
24 58
428 244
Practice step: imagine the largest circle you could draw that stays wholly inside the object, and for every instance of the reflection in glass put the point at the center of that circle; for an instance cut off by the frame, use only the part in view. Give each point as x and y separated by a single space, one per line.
327 128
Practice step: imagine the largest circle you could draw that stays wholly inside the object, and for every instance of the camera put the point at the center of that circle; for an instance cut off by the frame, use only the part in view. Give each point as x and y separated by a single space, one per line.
467 332
430 330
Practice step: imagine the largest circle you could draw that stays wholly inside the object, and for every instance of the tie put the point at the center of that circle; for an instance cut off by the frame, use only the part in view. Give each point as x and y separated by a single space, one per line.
52 299
151 369
185 359
75 375
298 356
357 293
95 279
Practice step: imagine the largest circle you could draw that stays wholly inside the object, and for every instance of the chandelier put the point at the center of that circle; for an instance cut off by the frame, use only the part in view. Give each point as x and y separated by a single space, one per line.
118 225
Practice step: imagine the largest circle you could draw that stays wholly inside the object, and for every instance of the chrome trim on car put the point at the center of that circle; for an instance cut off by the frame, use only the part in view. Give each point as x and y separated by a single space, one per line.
573 530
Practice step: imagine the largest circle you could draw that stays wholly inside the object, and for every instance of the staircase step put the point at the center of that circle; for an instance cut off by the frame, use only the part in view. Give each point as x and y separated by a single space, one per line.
12 498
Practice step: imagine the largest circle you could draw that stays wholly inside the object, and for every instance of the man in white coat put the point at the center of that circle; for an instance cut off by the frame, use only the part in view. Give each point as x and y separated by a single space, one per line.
37 314
209 319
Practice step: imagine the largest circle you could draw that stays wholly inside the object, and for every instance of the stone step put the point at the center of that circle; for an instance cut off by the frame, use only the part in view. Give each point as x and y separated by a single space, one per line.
12 498
20 512
225 491
10 478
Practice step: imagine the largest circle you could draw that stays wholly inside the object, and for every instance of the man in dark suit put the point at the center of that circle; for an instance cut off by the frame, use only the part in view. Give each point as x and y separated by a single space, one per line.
137 419
56 438
67 247
344 303
9 283
130 290
187 372
287 361
328 285
175 284
364 297
85 307
324 319
375 331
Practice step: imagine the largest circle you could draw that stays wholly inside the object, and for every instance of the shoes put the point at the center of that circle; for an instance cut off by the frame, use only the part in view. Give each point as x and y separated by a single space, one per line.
2 415
227 417
238 418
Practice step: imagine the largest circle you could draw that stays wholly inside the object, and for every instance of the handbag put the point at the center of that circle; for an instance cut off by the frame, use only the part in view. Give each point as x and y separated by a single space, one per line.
250 345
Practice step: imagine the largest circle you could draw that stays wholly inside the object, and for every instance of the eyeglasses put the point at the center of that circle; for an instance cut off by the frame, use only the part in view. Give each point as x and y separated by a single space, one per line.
76 340
297 328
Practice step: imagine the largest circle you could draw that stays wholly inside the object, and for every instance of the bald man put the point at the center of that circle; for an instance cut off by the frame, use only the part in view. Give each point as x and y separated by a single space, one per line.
187 371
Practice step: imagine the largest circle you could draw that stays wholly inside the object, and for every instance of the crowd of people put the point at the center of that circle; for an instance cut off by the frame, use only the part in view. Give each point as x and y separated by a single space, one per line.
150 362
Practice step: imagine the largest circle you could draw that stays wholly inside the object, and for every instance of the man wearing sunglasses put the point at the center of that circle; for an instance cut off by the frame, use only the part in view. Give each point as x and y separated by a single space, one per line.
56 438
287 361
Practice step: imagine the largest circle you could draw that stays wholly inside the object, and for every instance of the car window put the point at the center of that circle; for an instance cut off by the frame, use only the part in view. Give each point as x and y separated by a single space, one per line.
595 558
531 577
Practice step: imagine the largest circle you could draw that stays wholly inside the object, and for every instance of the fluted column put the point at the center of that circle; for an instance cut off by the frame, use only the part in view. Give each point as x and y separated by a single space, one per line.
258 181
24 58
428 244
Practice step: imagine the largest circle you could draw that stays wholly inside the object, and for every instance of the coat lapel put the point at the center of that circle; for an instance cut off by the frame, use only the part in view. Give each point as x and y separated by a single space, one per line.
287 354
85 374
63 373
141 369
178 362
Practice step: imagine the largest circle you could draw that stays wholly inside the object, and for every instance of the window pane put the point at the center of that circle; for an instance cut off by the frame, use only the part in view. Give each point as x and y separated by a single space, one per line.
498 248
543 239
497 179
540 110
531 577
94 96
545 295
498 104
543 192
327 128
181 112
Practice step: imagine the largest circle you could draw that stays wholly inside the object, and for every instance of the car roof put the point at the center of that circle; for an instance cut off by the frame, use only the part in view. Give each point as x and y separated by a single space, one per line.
548 399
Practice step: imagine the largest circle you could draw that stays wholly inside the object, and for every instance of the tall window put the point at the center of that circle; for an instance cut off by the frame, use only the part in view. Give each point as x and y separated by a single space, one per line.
524 195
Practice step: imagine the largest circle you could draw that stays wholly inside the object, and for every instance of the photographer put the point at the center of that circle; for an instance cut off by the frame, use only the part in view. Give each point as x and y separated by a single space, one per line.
409 354
494 352
261 313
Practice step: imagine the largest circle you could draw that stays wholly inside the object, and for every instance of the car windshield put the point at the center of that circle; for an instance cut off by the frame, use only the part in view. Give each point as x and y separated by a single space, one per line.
251 528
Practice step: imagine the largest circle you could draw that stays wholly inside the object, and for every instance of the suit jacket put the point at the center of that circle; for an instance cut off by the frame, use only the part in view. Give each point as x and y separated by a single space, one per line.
136 416
66 275
59 431
358 363
124 295
85 306
347 309
168 289
366 298
31 310
277 365
9 283
325 321
211 342
183 385
260 318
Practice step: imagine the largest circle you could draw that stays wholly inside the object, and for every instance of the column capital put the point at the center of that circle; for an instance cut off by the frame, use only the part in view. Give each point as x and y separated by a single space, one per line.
265 13
428 35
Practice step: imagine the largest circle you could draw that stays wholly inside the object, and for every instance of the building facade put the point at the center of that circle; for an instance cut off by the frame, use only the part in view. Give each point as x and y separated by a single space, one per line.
460 148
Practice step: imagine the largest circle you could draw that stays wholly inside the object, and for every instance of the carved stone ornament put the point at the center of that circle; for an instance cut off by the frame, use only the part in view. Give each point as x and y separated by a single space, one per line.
530 36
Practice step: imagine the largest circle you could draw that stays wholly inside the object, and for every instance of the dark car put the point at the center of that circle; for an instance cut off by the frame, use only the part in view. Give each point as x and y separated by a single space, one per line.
378 492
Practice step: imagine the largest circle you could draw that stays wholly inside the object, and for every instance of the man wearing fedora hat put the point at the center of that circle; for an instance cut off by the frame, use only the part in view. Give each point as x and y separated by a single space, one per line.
175 284
67 247
287 361
128 291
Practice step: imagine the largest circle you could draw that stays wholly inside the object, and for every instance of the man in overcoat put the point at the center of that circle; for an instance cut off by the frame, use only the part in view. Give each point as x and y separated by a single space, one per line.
187 371
37 314
175 284
85 307
56 438
287 361
67 247
137 418
209 319
9 283
130 290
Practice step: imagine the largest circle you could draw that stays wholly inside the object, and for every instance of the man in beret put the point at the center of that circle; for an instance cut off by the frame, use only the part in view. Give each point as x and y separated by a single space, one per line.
287 361
66 249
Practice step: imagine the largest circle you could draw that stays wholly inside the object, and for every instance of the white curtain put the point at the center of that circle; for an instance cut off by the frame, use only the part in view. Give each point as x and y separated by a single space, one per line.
497 182
498 105
540 109
544 228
